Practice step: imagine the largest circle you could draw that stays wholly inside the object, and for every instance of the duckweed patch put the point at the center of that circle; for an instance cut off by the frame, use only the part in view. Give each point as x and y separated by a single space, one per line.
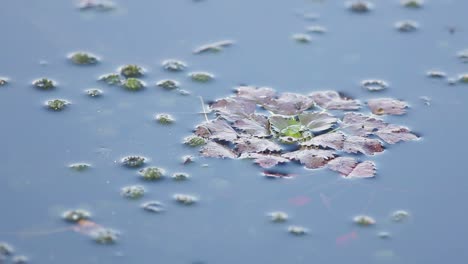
133 84
297 230
194 141
133 191
168 84
44 84
153 207
412 3
436 74
174 65
301 38
96 5
133 161
374 85
20 259
201 77
3 81
152 173
6 249
111 79
360 6
105 236
165 119
463 78
463 56
407 26
131 70
94 92
364 220
180 176
278 217
83 58
57 104
400 215
316 29
185 199
80 166
76 215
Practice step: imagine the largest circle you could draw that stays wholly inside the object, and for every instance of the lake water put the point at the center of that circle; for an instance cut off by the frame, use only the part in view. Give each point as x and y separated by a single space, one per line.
229 224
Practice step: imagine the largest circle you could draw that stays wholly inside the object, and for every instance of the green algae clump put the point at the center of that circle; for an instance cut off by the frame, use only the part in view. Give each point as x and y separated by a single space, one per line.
57 104
76 215
152 173
131 70
202 77
133 84
164 119
44 84
133 191
83 58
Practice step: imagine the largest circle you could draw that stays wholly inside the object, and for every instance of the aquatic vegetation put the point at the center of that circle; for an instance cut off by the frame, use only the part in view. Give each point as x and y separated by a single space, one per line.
297 230
463 56
152 173
359 6
400 215
202 77
97 5
131 70
436 74
213 47
6 249
111 79
407 26
301 38
94 92
133 161
374 85
168 84
133 84
133 191
57 104
153 207
322 139
412 3
364 220
316 29
194 141
165 119
80 166
20 259
187 159
3 81
180 176
278 217
174 65
463 78
83 58
105 235
44 84
185 199
76 215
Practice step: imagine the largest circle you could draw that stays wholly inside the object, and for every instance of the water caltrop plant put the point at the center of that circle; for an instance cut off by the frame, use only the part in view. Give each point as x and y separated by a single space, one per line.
271 128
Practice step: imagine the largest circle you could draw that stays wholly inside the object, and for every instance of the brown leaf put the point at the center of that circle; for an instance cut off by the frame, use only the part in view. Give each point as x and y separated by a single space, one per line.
332 140
361 125
259 95
255 145
216 150
349 167
393 134
255 125
332 100
311 158
289 104
264 160
216 129
387 106
358 144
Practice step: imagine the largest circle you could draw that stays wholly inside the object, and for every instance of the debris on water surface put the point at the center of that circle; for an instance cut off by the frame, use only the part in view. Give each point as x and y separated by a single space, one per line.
165 119
131 70
80 166
359 6
278 217
426 100
412 3
6 249
174 65
185 199
57 104
133 161
168 84
387 106
463 56
111 79
406 26
374 85
436 74
133 84
152 173
194 141
83 58
213 47
400 215
184 92
187 159
297 230
20 259
3 81
316 29
76 215
94 92
463 78
133 191
98 5
105 235
364 220
384 235
202 77
153 206
180 176
44 84
301 38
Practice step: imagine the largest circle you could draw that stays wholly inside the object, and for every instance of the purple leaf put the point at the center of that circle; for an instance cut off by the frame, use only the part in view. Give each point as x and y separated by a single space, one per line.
332 100
289 104
387 106
332 140
349 167
233 108
361 125
255 125
216 129
259 95
311 158
255 145
264 160
358 144
393 134
317 121
216 150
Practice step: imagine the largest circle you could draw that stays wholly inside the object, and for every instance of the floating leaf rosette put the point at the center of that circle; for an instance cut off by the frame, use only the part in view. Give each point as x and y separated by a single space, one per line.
271 128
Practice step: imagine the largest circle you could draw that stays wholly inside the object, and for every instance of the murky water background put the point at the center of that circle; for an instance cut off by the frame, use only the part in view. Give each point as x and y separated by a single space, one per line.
228 225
